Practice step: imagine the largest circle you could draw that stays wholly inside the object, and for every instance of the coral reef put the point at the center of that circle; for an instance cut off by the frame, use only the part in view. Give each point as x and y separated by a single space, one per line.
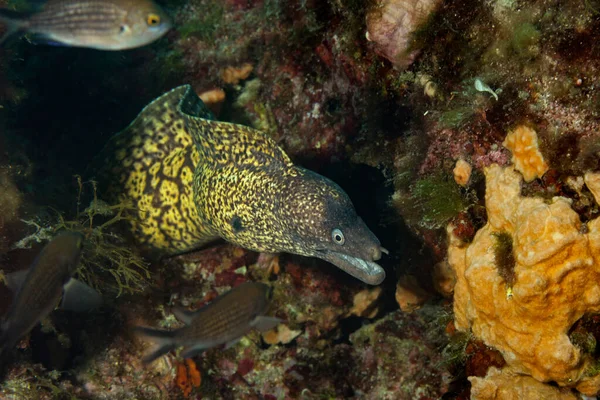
382 346
404 103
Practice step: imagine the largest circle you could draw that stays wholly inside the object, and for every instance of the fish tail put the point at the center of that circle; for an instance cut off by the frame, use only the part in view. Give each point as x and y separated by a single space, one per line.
165 341
13 23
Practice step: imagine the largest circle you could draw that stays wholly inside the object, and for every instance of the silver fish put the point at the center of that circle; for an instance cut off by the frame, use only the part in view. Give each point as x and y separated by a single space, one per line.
224 321
39 288
97 24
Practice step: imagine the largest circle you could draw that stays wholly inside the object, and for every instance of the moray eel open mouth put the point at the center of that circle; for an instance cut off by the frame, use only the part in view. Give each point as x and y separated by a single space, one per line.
367 271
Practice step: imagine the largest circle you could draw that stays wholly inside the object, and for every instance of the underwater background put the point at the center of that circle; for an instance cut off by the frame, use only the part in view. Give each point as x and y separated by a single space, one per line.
466 133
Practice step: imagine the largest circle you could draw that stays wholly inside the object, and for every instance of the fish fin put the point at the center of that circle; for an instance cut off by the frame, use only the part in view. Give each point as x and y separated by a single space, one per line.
8 341
189 352
190 105
264 324
232 343
41 39
14 22
184 315
150 127
147 127
164 340
79 297
15 280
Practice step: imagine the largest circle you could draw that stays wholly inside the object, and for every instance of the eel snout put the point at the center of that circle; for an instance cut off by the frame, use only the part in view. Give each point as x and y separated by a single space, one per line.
375 252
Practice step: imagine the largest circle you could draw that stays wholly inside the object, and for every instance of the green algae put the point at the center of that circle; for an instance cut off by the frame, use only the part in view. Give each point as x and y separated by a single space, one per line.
583 340
504 257
525 40
108 264
32 384
593 8
206 26
437 199
454 354
593 369
456 117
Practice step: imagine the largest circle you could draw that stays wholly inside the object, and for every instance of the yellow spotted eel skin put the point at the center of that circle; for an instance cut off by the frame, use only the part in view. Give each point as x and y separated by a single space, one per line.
191 180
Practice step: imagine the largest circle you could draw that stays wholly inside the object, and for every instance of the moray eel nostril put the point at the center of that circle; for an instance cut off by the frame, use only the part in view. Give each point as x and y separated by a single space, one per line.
192 180
375 253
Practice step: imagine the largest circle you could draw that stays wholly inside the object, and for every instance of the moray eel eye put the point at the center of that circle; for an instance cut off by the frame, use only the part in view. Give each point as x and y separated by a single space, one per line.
338 236
153 20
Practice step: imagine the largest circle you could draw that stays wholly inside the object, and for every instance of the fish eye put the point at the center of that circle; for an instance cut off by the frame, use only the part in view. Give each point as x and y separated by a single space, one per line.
153 20
338 236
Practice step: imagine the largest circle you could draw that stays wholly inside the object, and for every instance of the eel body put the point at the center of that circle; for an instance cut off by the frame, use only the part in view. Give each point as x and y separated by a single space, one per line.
191 180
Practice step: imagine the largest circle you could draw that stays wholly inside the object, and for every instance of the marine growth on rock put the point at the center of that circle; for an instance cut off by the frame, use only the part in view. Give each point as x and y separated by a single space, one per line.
555 283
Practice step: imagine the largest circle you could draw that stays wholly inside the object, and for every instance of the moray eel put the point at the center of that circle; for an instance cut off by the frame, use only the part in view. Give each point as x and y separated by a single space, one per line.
192 179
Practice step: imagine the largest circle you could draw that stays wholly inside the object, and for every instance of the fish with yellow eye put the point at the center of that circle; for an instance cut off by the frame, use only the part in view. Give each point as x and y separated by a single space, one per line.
96 24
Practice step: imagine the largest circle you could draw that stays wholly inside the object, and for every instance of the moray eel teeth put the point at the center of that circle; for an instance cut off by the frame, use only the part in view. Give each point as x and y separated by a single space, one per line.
192 179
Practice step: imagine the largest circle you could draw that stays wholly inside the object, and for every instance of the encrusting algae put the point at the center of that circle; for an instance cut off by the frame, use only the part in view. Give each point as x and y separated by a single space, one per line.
555 282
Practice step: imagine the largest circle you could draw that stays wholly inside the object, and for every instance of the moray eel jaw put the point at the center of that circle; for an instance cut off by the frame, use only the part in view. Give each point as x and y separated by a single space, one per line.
367 271
357 252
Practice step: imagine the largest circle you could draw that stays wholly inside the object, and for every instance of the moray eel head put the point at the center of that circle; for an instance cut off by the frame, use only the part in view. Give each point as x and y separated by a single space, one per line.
327 226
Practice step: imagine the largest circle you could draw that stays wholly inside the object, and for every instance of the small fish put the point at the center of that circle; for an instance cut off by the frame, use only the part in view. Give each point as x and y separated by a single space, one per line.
224 321
96 24
39 288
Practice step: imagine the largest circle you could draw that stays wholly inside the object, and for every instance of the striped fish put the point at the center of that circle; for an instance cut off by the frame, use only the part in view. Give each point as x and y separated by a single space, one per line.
39 289
224 321
97 24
